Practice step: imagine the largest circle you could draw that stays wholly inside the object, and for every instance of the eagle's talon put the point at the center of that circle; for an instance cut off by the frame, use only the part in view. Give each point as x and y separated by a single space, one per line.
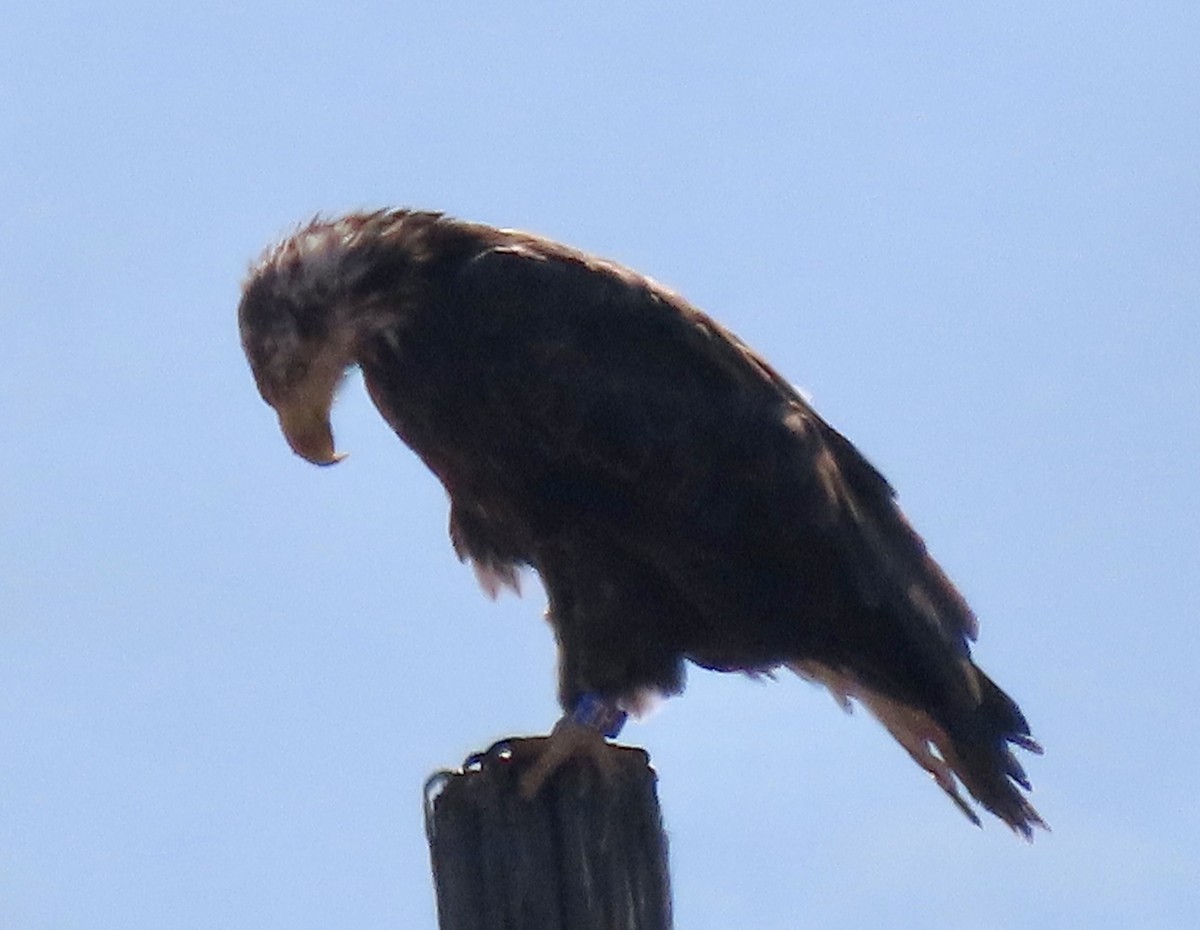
568 739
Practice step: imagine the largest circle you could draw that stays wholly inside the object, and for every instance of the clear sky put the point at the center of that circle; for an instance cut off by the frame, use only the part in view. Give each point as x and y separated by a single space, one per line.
970 231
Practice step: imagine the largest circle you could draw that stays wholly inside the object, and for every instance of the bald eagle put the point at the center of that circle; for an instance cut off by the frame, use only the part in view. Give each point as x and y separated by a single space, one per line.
679 499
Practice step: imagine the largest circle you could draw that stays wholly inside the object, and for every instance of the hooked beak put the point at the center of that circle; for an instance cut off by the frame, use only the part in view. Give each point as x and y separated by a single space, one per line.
307 430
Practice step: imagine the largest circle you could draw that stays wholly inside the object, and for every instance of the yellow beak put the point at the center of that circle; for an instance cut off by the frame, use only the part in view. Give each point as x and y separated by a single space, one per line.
307 431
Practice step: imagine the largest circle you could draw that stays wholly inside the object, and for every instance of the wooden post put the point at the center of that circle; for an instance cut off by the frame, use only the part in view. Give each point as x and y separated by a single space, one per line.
586 853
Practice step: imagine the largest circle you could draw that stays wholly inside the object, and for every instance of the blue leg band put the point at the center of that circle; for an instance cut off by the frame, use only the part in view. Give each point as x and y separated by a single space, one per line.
592 711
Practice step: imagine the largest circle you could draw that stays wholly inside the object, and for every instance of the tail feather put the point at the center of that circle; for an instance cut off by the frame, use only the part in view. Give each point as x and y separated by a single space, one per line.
988 767
901 643
975 753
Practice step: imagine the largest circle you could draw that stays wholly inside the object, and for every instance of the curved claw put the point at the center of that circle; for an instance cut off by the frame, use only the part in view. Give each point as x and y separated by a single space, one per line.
568 739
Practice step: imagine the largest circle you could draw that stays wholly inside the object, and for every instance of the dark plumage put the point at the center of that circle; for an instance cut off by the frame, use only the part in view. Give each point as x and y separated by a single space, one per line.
679 499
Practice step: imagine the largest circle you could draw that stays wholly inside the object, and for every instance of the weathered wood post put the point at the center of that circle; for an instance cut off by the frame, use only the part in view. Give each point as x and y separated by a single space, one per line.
586 853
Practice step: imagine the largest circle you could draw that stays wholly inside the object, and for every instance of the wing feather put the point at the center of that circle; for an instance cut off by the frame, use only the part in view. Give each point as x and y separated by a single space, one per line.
627 400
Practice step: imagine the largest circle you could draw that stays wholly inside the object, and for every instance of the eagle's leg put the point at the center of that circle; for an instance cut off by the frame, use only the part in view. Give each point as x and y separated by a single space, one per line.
581 733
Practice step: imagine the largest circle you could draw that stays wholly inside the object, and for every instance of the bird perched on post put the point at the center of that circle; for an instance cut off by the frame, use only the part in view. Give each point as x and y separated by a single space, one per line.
679 499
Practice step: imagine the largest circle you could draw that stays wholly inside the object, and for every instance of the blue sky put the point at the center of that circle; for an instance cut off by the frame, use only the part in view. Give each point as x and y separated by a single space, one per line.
970 232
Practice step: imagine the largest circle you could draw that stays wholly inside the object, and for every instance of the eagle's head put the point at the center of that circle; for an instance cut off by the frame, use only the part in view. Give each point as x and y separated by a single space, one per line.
297 337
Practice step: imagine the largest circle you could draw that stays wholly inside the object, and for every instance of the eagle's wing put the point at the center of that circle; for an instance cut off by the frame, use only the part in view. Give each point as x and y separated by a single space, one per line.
629 402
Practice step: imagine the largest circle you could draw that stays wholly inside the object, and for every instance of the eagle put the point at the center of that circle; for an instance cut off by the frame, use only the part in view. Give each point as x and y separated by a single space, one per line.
680 500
